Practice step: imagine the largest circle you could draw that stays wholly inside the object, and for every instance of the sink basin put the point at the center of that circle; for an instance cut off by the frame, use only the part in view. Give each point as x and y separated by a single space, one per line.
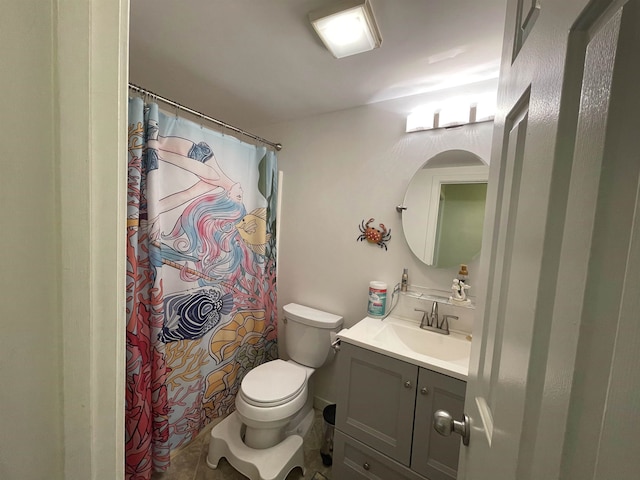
444 347
405 340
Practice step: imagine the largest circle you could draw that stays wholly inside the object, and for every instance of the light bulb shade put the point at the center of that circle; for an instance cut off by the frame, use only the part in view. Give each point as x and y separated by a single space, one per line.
347 28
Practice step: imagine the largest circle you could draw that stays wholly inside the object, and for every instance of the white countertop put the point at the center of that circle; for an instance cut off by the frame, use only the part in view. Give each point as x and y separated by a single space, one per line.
404 340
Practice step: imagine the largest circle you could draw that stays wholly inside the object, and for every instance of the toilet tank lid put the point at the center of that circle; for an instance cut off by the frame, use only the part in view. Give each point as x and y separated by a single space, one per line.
311 316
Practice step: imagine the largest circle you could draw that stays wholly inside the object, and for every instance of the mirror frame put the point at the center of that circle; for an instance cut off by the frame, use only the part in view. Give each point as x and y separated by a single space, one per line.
438 177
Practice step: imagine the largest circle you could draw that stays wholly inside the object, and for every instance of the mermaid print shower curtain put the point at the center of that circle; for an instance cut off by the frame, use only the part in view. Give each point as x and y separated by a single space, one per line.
201 282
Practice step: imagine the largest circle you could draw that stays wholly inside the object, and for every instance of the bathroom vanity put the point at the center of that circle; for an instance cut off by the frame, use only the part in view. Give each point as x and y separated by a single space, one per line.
392 378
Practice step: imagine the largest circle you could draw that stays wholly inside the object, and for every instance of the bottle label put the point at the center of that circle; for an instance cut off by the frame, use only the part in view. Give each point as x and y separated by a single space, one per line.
377 302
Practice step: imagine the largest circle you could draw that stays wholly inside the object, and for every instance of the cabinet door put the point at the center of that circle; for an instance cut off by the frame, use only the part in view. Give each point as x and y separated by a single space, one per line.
433 455
353 460
376 399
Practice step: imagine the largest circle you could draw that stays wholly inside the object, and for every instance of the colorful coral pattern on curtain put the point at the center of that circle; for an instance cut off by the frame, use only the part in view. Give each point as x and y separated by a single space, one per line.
201 282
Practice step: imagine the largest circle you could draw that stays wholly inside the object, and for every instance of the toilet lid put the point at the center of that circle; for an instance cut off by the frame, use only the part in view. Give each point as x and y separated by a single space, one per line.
273 383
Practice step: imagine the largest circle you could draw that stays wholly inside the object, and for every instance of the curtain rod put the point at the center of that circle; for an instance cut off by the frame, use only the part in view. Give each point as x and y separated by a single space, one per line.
149 93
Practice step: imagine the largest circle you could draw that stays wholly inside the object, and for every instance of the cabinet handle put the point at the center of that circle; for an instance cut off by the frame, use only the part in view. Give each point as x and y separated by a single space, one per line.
366 466
424 391
407 384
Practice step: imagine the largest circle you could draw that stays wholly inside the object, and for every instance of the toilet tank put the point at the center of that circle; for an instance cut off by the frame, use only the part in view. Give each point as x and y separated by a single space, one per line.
307 334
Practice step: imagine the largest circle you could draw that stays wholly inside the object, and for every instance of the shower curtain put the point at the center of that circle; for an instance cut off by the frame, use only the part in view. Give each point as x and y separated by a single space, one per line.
201 281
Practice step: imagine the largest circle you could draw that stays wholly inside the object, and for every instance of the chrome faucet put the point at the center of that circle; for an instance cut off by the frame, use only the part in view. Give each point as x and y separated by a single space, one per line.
431 320
434 315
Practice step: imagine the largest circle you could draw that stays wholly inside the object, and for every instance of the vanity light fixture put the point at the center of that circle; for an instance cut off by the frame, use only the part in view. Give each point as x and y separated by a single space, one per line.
452 113
347 28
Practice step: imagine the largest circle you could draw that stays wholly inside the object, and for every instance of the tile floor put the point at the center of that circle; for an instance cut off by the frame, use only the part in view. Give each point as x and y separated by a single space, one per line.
190 463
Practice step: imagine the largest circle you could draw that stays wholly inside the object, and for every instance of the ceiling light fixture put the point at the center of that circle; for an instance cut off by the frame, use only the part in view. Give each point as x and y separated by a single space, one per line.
347 28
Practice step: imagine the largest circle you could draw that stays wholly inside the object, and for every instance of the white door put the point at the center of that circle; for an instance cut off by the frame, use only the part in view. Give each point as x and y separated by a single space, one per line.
554 384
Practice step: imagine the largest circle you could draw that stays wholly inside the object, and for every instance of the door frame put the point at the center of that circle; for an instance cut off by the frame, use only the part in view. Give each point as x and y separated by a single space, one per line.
91 55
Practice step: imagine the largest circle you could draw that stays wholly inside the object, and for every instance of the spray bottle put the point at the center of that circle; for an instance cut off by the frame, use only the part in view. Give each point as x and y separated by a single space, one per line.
404 283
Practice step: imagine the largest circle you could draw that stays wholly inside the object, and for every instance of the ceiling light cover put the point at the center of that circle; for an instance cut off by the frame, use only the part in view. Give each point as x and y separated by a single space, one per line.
347 28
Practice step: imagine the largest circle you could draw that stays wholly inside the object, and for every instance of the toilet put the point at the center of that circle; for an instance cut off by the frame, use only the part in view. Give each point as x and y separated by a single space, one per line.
273 404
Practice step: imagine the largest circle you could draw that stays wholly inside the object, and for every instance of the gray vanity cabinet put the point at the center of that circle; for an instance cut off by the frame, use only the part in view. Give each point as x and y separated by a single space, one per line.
384 419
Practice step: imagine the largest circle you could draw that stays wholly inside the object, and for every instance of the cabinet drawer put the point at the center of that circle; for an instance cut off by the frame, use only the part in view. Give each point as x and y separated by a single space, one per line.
353 460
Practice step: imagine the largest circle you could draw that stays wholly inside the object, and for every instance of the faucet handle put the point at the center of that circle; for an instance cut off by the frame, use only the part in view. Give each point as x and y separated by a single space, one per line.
426 318
445 321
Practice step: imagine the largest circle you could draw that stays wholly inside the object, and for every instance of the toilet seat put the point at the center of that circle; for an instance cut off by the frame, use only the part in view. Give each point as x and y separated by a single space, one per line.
273 383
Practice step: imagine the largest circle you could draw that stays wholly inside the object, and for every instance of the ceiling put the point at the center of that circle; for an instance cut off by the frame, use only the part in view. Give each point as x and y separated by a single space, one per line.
257 62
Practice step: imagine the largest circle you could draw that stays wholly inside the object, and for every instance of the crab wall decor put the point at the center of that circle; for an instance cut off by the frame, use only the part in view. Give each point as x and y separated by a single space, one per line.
373 235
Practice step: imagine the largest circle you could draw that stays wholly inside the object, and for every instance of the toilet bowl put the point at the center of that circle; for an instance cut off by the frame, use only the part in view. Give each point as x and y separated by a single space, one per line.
274 403
270 396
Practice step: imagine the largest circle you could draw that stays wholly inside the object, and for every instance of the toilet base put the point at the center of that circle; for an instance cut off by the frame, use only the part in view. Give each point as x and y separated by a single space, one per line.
302 422
272 463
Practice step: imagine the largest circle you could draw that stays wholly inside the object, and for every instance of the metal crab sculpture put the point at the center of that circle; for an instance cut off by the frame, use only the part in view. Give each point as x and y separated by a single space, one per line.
373 235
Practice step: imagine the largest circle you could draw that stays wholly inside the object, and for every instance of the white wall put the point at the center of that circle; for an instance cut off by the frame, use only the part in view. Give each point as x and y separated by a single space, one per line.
30 354
339 169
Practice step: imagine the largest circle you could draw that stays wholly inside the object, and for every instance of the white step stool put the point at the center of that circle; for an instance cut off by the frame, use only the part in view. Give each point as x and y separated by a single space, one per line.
258 464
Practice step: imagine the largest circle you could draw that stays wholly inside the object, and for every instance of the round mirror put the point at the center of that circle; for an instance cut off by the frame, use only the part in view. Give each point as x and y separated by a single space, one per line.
444 208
